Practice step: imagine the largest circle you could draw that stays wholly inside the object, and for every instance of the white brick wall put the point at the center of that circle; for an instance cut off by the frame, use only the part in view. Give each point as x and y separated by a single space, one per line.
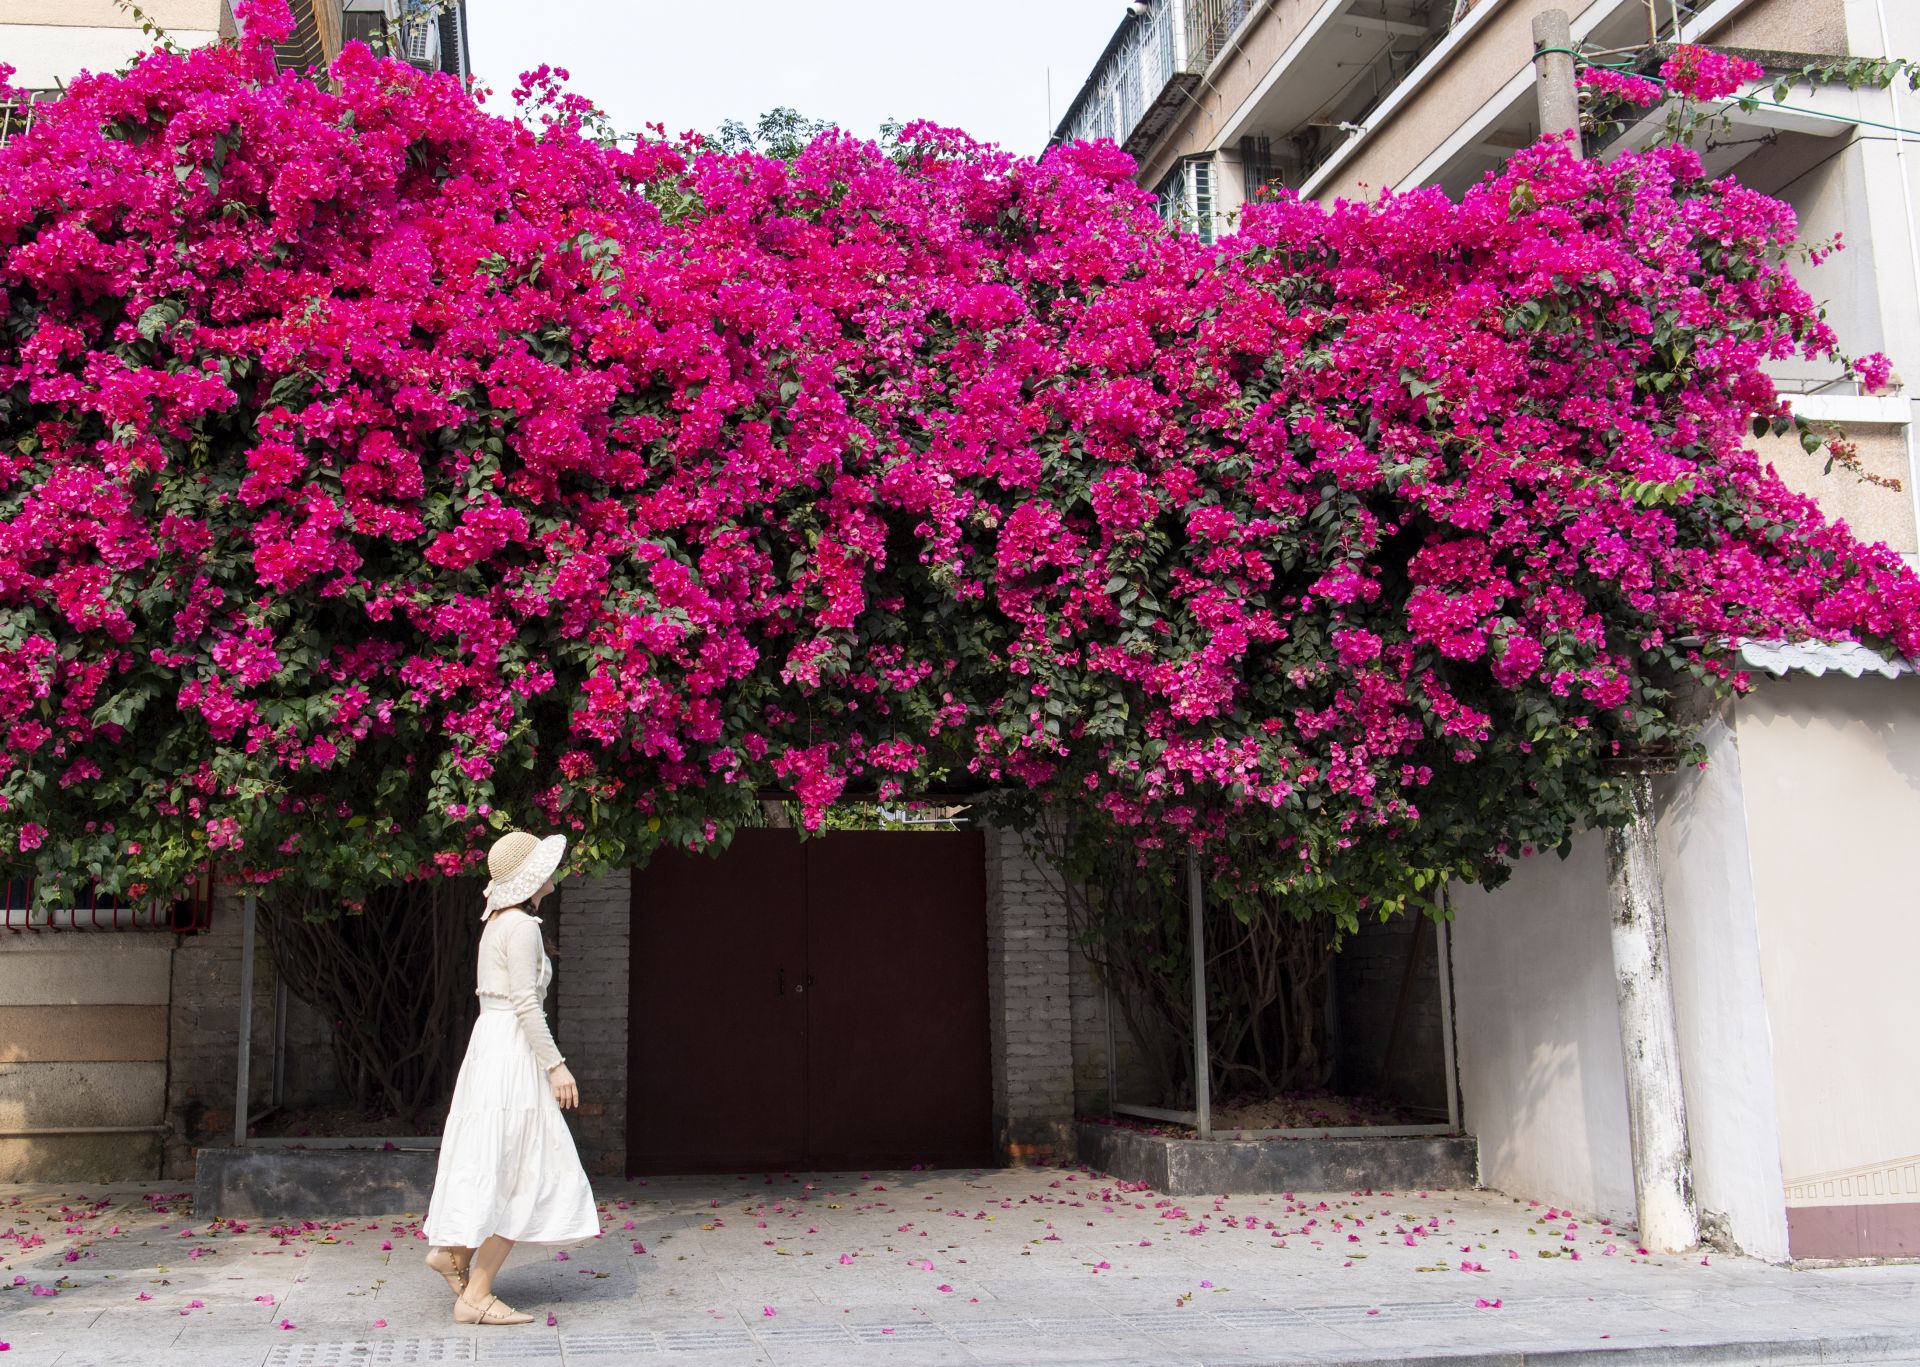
596 928
1134 1079
1029 1004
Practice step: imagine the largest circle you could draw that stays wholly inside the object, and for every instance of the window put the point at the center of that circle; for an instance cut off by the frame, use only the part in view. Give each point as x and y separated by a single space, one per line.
1186 197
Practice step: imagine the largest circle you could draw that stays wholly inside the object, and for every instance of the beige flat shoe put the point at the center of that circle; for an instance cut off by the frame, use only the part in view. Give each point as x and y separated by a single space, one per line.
495 1311
441 1261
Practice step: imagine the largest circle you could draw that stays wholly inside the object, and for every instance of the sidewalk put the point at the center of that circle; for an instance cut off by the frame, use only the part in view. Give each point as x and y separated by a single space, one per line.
909 1269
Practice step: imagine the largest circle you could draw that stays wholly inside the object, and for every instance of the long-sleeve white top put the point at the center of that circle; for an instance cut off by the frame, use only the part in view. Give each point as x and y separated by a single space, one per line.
514 968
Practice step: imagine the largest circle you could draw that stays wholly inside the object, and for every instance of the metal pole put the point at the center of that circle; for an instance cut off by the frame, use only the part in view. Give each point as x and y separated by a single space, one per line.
279 1037
1202 1081
1649 1035
1444 948
240 1098
1553 75
1112 1072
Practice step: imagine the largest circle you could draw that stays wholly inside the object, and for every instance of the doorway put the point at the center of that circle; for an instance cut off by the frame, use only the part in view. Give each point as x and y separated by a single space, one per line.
814 1004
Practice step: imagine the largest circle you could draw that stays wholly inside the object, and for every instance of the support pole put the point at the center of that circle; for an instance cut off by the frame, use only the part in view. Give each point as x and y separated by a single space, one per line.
1649 1037
1113 1072
1447 1059
279 1038
1553 79
241 1100
1202 1077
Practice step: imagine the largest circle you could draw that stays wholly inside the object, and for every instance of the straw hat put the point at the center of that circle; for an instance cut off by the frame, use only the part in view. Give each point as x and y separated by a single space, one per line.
519 863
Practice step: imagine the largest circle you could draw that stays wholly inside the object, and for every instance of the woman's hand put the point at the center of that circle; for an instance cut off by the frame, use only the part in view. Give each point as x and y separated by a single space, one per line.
565 1090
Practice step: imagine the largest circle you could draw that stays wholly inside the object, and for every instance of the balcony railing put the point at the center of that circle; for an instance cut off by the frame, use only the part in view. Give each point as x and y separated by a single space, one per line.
1211 24
17 116
1149 71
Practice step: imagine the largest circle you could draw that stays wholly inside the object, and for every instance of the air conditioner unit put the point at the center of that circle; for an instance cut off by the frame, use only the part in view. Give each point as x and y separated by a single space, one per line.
420 42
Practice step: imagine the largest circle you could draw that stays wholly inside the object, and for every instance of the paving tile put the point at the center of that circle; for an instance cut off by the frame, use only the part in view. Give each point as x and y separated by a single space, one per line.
1224 1295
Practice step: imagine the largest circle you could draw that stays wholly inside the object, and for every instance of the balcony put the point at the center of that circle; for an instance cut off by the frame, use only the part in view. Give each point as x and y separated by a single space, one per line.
1149 72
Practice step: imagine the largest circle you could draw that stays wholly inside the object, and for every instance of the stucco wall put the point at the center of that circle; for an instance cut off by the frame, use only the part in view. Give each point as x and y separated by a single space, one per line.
1874 512
1541 1075
1541 1081
1818 26
1832 774
1714 951
52 41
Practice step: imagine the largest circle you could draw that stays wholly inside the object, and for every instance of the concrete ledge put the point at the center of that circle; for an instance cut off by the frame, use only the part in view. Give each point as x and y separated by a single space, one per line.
1190 1167
80 1158
1893 1346
310 1184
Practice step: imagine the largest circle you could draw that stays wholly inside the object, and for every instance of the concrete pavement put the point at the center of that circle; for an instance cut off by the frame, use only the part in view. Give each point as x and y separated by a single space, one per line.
910 1269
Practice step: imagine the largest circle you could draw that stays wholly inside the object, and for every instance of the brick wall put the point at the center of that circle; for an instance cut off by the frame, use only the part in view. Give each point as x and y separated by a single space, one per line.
203 1037
590 982
204 1033
1029 1003
1133 1076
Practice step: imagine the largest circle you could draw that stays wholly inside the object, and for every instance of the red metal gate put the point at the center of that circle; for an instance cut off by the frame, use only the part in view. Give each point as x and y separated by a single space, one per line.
817 1004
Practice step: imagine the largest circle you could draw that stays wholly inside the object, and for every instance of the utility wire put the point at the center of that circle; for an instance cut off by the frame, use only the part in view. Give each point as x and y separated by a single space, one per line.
1742 100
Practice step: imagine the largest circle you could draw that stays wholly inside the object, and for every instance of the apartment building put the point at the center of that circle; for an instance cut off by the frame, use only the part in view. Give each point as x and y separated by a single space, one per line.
48 42
1787 865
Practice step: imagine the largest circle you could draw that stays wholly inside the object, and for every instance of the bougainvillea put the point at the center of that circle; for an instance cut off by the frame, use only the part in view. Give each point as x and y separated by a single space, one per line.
374 470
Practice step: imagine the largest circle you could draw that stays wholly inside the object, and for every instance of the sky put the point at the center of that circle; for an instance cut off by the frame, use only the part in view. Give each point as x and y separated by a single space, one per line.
979 65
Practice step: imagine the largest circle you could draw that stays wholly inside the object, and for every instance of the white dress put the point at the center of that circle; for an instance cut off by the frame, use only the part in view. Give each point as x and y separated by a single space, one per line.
507 1161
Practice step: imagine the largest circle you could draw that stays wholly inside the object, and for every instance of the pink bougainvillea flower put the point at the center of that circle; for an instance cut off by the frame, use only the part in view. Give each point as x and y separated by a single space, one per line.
619 484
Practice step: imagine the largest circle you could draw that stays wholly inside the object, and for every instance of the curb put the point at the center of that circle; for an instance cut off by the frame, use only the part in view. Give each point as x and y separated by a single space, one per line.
1890 1345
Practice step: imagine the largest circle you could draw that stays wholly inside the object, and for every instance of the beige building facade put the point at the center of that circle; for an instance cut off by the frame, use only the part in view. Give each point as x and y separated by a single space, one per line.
49 42
1342 99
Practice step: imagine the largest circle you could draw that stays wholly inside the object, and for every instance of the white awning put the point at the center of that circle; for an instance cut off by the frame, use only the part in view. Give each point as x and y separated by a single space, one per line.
1818 657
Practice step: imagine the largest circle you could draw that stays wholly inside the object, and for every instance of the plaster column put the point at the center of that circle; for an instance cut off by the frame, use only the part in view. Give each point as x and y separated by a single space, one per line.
1649 1037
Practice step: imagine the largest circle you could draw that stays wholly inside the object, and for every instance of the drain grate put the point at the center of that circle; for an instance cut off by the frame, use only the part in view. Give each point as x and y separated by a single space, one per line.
913 1331
1160 1321
983 1330
609 1345
371 1353
803 1333
1347 1314
1080 1324
703 1340
520 1347
1269 1317
1432 1310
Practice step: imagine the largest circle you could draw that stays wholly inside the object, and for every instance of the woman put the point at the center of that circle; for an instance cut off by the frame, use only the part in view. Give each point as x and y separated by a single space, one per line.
508 1170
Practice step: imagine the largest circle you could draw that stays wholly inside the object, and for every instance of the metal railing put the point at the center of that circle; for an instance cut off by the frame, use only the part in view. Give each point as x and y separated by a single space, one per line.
17 116
1211 25
92 909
